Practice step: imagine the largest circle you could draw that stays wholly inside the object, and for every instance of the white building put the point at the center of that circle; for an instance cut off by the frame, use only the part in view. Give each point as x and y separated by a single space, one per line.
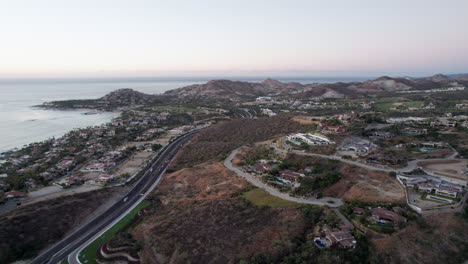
310 139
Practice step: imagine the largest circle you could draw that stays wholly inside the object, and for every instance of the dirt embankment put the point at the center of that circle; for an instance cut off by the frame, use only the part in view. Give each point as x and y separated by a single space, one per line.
200 219
369 186
443 239
450 168
27 230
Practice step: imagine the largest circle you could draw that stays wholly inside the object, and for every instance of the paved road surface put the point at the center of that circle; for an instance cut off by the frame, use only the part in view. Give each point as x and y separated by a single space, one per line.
62 249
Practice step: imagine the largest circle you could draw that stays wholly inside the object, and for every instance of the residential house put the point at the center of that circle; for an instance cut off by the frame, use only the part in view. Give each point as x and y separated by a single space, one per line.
13 194
339 237
359 211
414 131
384 214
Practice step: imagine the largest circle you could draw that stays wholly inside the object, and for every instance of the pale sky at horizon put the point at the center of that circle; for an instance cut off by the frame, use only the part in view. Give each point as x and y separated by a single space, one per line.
60 38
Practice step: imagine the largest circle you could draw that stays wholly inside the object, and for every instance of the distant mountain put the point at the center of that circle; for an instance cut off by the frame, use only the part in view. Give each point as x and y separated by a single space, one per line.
240 90
454 76
461 77
120 97
438 78
128 96
235 89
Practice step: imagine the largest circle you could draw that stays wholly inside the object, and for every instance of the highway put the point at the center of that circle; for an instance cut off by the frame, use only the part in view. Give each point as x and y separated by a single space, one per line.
71 243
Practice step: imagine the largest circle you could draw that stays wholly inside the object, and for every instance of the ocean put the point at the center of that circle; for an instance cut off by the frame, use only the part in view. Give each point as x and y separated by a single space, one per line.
22 124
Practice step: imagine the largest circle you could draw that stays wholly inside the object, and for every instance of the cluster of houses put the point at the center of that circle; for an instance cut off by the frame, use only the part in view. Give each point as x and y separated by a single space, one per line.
285 177
424 146
348 117
429 184
106 162
103 179
55 158
310 139
149 134
381 215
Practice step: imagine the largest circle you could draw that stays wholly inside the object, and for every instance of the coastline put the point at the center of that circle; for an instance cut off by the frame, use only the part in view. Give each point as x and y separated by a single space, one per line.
80 113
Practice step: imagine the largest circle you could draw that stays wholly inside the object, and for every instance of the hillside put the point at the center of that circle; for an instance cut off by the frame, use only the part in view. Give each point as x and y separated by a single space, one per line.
235 89
241 90
120 97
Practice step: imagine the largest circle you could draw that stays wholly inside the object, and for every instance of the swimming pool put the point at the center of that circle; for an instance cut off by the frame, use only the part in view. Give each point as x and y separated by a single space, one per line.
320 243
282 182
427 149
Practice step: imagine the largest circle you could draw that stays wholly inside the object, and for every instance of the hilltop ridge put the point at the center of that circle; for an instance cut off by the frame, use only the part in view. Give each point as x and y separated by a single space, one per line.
243 90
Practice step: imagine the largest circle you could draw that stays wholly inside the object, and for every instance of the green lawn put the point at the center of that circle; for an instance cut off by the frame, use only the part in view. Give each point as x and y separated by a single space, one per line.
88 254
259 197
383 106
65 261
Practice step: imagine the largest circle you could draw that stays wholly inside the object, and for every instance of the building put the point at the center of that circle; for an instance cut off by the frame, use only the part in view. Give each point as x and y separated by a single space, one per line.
414 131
444 123
13 194
339 237
359 211
268 112
430 106
384 214
380 134
310 139
263 98
290 175
356 146
446 191
439 188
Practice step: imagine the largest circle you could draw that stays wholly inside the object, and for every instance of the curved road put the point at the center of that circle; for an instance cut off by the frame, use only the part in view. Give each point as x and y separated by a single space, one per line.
150 178
330 201
412 165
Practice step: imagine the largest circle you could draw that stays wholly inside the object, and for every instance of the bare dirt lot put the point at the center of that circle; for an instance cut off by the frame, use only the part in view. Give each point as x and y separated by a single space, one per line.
61 193
134 163
200 219
370 186
305 120
449 168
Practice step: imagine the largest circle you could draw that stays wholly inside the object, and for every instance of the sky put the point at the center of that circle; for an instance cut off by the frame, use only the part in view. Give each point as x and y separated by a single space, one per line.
107 38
